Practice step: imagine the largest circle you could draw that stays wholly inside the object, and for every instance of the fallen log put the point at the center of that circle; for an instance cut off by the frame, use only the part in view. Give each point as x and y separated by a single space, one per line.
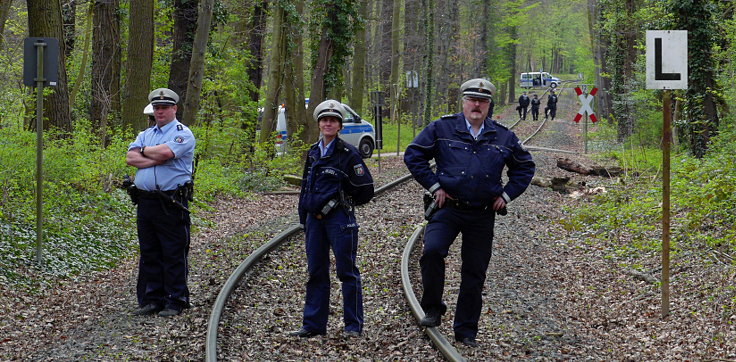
577 167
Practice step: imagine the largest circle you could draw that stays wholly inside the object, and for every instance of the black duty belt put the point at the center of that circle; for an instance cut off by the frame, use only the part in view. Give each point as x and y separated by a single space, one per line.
459 205
154 194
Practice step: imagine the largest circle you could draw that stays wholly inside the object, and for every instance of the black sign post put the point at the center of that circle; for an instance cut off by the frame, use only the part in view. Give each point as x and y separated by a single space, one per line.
40 68
378 101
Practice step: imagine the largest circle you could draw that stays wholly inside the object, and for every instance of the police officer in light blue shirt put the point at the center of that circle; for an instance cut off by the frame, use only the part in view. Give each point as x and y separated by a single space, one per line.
471 151
335 179
163 156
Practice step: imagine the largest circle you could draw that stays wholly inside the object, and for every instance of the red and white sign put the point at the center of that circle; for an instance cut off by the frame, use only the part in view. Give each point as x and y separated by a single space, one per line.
585 99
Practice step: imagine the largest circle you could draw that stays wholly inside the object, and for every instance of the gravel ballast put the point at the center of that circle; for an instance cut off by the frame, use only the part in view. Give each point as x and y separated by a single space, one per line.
549 294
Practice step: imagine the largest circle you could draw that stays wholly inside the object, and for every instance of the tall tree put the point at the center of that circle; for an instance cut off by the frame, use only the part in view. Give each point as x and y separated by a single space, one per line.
250 32
599 45
700 20
274 80
359 60
185 23
105 62
4 12
428 10
336 26
395 85
297 117
196 67
69 19
44 20
624 27
138 67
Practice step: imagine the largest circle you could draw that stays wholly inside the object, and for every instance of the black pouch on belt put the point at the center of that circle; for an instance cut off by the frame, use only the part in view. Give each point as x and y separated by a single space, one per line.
430 206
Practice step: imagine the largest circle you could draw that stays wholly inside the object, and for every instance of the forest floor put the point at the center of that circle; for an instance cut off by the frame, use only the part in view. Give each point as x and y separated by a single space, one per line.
549 294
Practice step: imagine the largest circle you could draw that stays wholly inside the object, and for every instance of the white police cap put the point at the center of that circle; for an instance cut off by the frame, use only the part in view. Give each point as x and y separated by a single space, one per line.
329 107
164 96
478 88
148 110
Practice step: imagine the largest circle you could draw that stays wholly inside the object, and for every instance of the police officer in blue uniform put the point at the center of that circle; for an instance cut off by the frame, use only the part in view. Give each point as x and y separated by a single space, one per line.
471 151
163 156
523 105
551 108
335 180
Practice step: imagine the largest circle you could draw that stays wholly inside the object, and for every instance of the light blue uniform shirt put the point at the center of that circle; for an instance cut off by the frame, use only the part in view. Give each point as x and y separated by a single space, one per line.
175 171
323 149
470 129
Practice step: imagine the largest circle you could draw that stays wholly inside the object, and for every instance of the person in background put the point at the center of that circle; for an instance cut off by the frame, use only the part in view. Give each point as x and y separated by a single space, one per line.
335 179
535 107
163 155
523 105
471 151
551 108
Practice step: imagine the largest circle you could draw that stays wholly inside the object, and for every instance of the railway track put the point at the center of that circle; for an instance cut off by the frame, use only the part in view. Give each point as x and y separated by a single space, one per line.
292 235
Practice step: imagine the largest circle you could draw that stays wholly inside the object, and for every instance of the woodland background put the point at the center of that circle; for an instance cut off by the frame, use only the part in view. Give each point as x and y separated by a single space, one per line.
227 58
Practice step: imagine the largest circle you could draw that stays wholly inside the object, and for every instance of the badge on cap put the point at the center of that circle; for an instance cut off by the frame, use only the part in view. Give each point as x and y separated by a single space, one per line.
359 171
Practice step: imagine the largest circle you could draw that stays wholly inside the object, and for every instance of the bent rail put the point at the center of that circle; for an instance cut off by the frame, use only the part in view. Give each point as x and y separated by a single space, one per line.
434 334
237 275
232 282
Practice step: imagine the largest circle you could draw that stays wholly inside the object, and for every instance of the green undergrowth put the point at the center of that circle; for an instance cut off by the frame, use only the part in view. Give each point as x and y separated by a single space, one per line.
627 218
89 222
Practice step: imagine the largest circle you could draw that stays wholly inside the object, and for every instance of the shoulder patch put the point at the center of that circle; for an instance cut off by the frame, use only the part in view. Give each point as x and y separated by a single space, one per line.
359 171
448 116
179 127
178 139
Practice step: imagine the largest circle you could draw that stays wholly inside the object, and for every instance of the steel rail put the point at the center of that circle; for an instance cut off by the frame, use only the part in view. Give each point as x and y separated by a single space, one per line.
237 275
232 282
434 334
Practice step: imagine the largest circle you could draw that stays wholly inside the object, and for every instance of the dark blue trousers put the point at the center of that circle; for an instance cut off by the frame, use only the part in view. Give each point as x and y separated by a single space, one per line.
441 231
338 231
163 237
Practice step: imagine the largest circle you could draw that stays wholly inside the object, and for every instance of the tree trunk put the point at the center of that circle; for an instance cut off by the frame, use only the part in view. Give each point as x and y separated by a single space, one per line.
196 70
299 115
105 63
44 20
385 42
185 24
359 60
396 87
85 54
138 67
429 67
69 18
253 27
513 33
4 12
275 72
598 46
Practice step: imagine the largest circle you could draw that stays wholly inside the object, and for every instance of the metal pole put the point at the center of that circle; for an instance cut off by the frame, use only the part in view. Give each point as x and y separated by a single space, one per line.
39 150
585 128
667 138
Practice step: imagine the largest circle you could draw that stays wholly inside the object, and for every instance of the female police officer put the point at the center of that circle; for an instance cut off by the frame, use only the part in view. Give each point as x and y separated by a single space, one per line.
471 151
335 179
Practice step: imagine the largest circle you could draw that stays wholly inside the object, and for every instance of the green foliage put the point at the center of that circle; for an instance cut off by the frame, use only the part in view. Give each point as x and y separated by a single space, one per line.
85 226
627 219
338 20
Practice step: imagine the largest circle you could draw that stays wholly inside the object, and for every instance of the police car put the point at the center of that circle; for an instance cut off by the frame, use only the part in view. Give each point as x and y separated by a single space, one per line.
538 79
355 131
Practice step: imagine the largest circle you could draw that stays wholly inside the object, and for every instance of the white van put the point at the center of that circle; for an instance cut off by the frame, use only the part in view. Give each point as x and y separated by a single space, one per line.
355 131
538 79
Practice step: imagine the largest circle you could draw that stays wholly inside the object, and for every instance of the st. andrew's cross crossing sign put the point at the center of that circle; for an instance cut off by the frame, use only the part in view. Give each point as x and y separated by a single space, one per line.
585 99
